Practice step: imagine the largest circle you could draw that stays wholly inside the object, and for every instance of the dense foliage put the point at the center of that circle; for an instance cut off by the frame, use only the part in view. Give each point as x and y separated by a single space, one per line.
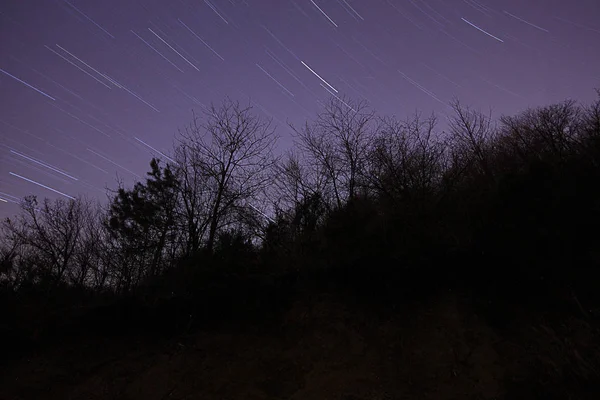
513 203
381 209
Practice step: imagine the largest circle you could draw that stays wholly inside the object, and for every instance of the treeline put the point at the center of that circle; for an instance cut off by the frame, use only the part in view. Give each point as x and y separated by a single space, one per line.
505 208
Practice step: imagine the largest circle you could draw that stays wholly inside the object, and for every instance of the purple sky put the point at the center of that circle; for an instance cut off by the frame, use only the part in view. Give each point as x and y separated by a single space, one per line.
88 88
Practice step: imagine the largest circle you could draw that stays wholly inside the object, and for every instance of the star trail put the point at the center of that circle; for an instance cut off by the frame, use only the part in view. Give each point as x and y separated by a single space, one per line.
91 90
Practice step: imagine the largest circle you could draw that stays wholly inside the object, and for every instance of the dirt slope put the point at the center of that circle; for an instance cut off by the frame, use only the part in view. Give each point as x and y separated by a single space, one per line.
322 350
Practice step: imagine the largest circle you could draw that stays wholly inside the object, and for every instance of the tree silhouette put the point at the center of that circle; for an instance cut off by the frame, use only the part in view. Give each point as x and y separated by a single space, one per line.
406 161
142 220
50 236
232 150
335 146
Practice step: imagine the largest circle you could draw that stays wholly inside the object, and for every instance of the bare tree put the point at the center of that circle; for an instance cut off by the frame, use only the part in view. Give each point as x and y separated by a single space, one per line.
9 252
591 118
193 215
231 150
591 131
407 159
472 132
547 132
296 181
102 263
336 145
53 231
87 246
89 269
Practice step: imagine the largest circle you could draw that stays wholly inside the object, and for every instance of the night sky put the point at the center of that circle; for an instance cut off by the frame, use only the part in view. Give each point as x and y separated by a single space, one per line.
90 90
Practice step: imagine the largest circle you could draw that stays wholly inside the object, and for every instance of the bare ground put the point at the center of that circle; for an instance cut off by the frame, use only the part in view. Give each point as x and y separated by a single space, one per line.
323 349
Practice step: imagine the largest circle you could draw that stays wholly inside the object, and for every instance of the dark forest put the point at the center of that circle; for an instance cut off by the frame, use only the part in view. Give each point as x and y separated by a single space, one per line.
378 259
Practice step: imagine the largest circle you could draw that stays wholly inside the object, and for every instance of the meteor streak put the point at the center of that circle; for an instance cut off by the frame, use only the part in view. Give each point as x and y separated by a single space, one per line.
318 76
42 185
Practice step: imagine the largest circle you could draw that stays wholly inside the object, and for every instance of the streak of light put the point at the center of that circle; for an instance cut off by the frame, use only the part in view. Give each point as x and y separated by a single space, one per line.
526 22
22 131
91 116
76 157
523 43
502 88
73 155
441 75
87 65
156 51
426 13
137 97
103 191
41 171
369 51
317 75
77 66
215 10
66 89
158 151
181 49
334 95
279 41
269 114
307 114
7 200
460 42
263 214
350 13
28 85
48 78
478 7
114 163
192 98
287 69
435 12
351 87
421 88
578 25
82 121
323 12
89 19
395 7
484 7
481 30
42 185
199 38
275 80
280 63
171 47
349 55
9 196
353 10
299 9
364 88
43 164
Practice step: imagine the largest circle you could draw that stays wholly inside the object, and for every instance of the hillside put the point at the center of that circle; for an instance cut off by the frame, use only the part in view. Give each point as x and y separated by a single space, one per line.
323 346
